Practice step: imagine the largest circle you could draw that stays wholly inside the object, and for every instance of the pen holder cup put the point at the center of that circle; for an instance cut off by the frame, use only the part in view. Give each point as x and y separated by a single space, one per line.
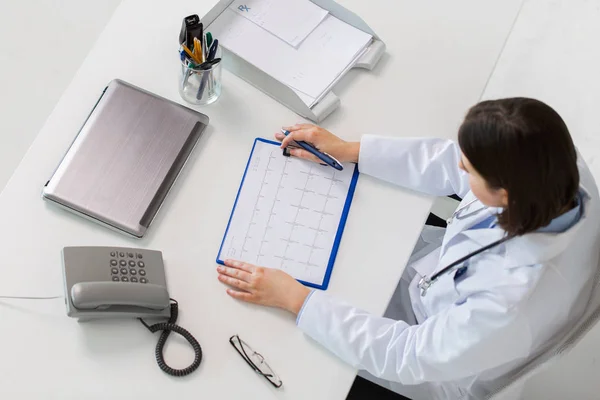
200 86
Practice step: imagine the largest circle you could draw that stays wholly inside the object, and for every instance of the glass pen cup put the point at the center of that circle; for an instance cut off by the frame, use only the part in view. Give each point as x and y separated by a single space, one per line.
200 86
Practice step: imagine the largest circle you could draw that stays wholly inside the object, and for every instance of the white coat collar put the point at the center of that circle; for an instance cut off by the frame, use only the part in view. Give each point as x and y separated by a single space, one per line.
531 248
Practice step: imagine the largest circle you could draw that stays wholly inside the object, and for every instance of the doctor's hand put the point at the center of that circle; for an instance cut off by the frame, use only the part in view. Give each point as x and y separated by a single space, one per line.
264 286
322 139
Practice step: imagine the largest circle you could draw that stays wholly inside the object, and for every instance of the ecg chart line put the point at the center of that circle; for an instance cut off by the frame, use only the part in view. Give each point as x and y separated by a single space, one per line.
323 213
231 250
264 207
275 200
287 245
262 184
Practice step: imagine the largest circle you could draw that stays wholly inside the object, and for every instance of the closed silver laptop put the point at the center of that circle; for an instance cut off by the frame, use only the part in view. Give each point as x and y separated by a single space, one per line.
125 158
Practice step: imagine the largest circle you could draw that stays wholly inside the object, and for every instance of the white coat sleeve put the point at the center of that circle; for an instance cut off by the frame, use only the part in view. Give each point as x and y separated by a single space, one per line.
461 342
426 165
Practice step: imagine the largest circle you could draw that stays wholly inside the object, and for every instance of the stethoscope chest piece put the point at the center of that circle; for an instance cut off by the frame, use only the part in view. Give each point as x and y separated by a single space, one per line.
424 284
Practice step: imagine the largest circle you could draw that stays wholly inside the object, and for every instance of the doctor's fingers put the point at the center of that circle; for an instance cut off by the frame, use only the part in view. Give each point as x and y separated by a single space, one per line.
245 296
298 127
240 265
293 128
301 135
235 273
234 282
301 153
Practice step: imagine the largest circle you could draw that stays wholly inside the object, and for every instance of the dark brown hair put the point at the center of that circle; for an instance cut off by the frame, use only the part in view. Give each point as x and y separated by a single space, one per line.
523 146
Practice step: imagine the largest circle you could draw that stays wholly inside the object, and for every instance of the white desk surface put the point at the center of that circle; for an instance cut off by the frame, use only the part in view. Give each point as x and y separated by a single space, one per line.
439 57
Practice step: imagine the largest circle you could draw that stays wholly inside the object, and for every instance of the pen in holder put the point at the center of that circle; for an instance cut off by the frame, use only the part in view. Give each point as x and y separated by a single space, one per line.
200 84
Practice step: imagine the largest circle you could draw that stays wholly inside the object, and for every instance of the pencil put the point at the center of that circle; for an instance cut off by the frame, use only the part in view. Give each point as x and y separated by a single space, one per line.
198 50
193 57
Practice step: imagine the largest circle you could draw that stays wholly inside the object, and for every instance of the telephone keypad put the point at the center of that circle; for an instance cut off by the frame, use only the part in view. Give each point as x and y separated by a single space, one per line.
129 267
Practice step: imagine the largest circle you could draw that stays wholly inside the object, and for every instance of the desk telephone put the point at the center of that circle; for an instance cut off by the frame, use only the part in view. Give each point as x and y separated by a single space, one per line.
98 283
109 282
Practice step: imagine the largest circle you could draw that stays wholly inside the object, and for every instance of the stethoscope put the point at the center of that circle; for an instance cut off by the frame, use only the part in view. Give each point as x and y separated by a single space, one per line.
458 213
426 282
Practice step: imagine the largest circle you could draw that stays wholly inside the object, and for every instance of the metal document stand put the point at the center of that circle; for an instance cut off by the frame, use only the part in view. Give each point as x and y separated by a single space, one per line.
281 92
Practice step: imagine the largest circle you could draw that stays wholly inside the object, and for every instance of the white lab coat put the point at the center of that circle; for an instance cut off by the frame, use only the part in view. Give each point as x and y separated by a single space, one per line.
514 300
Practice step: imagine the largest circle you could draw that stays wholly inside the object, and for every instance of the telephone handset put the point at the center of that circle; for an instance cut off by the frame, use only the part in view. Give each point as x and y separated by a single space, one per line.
104 295
109 282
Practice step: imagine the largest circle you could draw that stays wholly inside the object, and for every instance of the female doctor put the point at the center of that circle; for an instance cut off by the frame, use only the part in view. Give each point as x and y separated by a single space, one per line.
525 237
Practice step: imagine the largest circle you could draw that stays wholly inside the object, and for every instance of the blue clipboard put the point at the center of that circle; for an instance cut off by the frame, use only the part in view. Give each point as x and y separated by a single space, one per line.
340 230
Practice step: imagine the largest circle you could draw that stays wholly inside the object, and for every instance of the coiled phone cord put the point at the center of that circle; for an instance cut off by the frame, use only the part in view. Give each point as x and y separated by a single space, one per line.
167 328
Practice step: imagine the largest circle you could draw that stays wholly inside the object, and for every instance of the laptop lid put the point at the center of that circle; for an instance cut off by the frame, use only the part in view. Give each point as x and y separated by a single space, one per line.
125 158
